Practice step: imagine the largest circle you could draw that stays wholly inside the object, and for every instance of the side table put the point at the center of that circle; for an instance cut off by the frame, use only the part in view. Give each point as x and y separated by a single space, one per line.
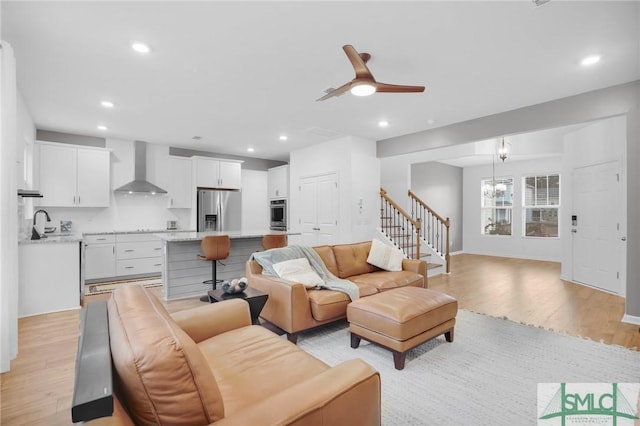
255 298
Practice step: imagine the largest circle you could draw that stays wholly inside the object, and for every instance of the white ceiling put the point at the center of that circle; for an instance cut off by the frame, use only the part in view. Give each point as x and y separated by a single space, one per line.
239 74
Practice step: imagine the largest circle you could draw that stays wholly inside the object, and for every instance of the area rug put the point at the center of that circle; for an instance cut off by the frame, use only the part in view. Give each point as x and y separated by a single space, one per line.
489 375
109 286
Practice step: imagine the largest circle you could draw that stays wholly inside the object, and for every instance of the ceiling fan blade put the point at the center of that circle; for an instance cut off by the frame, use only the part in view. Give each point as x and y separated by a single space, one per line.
340 90
396 88
359 66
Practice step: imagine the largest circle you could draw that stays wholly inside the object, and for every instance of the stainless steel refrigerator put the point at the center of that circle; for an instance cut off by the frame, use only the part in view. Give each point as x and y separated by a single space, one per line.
219 210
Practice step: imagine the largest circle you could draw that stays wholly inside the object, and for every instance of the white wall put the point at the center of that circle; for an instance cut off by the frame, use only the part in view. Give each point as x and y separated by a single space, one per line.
597 143
514 245
354 160
440 187
9 206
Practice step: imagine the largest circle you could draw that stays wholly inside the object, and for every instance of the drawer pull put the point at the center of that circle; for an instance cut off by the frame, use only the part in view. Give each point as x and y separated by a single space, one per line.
129 250
128 267
157 264
159 248
101 239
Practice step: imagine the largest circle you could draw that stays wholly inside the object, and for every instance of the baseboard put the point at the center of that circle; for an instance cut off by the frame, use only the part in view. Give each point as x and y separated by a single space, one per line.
631 319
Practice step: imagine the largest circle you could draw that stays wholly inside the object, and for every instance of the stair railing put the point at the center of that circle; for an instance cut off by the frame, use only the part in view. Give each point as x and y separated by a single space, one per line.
435 228
399 226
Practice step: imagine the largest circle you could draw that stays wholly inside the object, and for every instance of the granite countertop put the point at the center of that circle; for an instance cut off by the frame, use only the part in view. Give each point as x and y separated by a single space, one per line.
63 237
138 231
234 235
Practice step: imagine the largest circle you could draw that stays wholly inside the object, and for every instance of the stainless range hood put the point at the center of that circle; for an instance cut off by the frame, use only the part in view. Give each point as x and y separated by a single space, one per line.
140 184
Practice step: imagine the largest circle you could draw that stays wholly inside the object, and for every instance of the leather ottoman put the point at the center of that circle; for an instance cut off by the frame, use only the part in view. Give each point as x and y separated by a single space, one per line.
401 319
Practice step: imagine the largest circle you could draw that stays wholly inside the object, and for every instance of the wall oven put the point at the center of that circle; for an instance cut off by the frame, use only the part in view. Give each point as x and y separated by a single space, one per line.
278 210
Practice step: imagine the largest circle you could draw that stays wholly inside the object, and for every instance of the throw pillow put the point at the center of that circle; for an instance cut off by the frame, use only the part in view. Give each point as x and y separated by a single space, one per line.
385 257
298 270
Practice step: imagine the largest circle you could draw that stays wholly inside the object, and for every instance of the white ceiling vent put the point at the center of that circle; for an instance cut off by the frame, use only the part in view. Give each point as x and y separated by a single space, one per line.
540 2
319 131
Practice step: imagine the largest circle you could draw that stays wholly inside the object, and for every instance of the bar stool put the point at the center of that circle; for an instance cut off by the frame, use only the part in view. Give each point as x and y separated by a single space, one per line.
214 247
270 241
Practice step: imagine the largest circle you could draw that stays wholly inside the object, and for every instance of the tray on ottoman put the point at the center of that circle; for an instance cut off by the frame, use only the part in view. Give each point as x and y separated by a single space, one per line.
401 319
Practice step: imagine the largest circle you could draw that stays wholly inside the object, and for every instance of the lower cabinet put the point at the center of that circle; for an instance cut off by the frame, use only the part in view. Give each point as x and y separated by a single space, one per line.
138 254
99 256
116 256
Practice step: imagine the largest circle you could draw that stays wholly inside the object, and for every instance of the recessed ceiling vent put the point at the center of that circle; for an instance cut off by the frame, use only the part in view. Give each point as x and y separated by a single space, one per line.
327 133
540 2
140 185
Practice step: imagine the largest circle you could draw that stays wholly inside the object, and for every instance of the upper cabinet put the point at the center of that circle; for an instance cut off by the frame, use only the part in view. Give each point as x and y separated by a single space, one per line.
71 176
212 173
278 182
180 186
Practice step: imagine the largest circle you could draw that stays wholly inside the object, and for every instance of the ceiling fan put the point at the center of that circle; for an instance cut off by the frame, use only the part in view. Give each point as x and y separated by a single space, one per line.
364 84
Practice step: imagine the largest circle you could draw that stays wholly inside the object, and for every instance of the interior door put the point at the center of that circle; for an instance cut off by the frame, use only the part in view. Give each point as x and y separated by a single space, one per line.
595 233
319 209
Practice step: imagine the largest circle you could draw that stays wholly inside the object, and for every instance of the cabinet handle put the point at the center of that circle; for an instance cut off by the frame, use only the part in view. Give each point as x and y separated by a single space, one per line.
113 249
128 267
129 250
101 239
74 199
316 229
172 202
158 248
78 200
157 264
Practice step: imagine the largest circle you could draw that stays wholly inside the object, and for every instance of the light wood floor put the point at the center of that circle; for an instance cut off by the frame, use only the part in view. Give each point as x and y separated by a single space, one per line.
39 387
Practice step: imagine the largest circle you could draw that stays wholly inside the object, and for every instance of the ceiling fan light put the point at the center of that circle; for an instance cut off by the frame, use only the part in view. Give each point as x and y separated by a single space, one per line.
363 89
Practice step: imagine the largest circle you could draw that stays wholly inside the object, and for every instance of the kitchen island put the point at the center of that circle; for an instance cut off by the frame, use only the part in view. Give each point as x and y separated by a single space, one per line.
183 272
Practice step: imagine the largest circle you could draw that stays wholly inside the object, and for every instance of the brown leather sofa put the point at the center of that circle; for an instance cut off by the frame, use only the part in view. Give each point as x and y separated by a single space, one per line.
209 365
294 308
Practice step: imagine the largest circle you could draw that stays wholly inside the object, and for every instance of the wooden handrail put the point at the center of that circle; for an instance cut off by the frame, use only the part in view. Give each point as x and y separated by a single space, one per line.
422 203
384 195
437 243
403 232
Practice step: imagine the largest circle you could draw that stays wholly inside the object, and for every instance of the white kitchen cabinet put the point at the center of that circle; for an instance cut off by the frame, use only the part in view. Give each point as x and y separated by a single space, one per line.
278 182
99 256
49 277
214 173
73 177
180 183
138 254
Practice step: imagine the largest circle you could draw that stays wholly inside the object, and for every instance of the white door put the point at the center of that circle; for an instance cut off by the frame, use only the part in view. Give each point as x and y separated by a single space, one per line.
595 235
319 209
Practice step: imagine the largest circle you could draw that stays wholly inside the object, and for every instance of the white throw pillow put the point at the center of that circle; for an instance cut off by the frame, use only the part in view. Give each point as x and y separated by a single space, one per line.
385 257
298 270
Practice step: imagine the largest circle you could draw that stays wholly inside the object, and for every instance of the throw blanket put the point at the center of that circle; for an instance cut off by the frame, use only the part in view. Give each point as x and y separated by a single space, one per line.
267 258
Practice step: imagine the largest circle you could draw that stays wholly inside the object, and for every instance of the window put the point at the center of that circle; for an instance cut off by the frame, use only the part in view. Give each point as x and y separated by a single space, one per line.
541 203
496 206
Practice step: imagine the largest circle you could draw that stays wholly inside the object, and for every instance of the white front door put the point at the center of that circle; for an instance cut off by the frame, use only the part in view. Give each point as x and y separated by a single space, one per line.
319 209
597 256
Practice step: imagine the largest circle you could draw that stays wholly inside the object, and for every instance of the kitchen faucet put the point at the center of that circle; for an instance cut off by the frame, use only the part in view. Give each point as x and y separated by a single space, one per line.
35 235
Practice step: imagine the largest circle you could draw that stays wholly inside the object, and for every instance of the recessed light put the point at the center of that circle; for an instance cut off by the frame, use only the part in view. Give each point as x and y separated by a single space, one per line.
590 60
383 123
140 47
283 137
102 127
107 104
250 149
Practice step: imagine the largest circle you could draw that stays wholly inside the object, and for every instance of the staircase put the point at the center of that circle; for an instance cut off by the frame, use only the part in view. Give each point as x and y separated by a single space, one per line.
421 234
